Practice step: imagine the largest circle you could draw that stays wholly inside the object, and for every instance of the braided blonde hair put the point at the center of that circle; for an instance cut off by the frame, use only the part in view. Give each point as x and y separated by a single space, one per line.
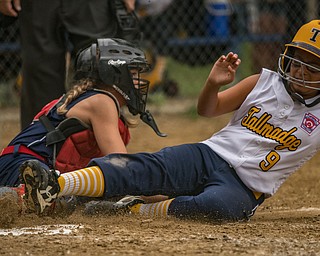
86 84
82 86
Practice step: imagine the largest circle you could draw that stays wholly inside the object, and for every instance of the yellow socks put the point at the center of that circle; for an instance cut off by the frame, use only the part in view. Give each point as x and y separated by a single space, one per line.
90 182
159 209
84 182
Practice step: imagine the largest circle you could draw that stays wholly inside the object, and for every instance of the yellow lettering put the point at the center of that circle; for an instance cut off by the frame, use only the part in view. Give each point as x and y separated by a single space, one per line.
260 126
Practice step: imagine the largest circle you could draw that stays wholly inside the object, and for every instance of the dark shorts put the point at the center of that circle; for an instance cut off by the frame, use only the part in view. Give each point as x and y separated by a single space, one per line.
9 168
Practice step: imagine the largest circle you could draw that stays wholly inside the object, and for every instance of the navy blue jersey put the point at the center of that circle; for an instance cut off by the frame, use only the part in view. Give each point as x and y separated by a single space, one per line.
34 135
31 142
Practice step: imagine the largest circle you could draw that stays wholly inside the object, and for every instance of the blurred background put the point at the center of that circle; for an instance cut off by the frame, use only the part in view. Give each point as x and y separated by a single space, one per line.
183 38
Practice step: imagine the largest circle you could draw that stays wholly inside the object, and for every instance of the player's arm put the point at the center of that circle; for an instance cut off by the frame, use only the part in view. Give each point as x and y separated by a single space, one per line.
130 5
10 7
211 102
100 112
104 121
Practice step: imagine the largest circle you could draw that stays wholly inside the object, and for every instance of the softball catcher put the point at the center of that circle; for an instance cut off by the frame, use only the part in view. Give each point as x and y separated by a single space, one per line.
89 120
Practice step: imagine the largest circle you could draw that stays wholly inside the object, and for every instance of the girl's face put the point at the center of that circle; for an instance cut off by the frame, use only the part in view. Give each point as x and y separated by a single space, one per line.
305 67
135 77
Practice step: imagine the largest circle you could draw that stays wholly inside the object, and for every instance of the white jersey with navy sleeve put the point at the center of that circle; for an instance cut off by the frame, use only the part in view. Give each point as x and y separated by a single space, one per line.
269 137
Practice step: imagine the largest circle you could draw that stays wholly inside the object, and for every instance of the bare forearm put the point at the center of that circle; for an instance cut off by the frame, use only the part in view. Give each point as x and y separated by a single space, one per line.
222 73
208 100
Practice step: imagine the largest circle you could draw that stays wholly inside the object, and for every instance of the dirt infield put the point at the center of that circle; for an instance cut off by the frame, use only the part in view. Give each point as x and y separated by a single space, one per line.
286 224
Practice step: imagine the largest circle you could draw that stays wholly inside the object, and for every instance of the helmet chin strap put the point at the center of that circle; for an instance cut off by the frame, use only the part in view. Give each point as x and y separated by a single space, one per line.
149 120
145 116
296 96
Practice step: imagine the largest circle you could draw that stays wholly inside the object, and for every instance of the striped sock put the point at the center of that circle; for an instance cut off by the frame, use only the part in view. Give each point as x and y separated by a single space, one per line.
84 182
159 209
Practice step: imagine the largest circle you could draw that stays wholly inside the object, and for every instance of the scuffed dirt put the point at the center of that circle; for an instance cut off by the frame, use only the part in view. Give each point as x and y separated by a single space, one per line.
10 209
286 224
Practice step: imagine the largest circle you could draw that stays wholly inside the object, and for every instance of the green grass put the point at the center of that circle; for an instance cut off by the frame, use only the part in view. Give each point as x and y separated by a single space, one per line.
189 78
246 61
192 78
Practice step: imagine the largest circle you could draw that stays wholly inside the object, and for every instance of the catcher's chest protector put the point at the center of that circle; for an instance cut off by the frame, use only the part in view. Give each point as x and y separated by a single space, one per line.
80 147
76 151
73 141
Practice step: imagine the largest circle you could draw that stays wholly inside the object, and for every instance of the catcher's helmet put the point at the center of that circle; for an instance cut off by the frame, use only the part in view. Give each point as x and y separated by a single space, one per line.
110 60
307 39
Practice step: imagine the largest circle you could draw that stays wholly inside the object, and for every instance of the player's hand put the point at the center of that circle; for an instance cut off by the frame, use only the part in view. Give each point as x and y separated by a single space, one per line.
10 7
130 5
224 70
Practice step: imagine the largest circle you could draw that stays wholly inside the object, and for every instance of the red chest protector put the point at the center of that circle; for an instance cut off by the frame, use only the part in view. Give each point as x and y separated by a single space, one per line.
80 147
73 142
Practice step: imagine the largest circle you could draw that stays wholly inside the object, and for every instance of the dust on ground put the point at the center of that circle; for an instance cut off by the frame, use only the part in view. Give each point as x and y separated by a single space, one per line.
286 224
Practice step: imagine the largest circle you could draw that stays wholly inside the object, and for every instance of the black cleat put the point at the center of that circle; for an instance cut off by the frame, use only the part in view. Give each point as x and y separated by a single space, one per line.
41 186
109 207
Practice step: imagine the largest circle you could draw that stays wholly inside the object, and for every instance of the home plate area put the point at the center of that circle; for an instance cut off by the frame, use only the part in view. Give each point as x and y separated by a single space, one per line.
42 230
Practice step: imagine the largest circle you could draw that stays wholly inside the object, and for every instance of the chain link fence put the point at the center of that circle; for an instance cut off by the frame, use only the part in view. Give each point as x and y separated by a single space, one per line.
196 32
10 63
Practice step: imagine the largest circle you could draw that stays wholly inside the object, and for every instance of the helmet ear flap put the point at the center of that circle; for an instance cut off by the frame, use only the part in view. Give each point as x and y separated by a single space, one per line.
108 74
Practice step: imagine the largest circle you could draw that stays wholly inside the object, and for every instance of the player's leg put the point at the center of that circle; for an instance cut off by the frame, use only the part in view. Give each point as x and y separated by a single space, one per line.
43 56
173 171
224 198
216 203
9 169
